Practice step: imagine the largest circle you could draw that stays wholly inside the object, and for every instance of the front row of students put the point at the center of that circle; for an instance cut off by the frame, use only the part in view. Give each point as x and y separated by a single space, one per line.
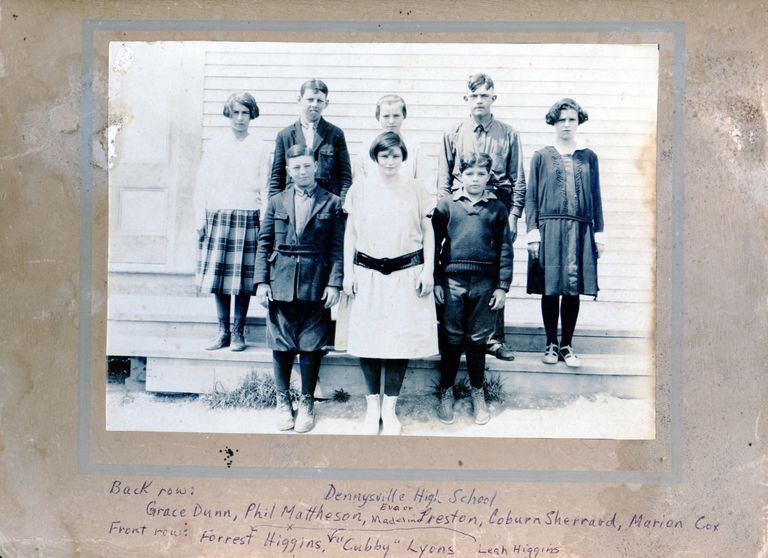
385 261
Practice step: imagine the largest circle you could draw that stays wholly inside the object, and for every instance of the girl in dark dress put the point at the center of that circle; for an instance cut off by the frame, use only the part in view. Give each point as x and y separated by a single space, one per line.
564 217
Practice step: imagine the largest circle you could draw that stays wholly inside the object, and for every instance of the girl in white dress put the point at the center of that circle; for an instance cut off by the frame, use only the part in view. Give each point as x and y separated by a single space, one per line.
388 274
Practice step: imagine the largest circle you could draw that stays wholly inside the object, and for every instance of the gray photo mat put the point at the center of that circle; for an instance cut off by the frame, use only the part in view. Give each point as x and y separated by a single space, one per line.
676 30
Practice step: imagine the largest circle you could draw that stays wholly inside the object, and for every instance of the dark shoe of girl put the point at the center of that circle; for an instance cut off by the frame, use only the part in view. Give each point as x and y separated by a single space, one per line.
221 340
238 336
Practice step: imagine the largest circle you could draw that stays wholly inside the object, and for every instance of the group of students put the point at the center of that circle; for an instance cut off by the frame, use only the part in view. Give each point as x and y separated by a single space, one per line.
413 273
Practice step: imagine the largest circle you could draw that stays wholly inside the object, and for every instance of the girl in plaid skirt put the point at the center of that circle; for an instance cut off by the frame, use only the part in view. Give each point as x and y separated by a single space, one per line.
227 201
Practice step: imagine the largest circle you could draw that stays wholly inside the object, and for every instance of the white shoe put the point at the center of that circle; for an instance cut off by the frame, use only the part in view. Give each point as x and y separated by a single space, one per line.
372 415
392 426
550 354
570 358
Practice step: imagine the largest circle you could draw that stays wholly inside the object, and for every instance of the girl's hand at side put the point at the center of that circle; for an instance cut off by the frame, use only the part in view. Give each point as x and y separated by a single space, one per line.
425 284
533 249
350 285
439 294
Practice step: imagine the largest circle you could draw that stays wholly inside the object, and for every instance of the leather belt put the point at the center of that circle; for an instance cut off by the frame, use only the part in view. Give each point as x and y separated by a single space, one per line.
545 216
385 266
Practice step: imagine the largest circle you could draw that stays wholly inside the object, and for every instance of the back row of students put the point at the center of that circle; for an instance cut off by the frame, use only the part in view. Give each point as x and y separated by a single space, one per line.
386 250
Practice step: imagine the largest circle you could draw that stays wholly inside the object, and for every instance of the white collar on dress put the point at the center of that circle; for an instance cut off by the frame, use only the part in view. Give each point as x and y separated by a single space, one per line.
579 146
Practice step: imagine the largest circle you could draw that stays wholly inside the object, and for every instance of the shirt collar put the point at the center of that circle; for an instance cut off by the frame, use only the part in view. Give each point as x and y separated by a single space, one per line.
485 124
307 124
306 192
461 194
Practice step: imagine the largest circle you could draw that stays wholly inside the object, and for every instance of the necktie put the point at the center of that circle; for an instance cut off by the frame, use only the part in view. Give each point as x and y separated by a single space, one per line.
309 134
479 139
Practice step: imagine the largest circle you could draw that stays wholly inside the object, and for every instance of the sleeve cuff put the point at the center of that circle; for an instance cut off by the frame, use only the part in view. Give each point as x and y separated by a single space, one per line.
504 285
516 212
600 238
535 236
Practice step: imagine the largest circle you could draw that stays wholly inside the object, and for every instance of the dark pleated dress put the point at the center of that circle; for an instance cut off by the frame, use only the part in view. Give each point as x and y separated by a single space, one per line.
563 202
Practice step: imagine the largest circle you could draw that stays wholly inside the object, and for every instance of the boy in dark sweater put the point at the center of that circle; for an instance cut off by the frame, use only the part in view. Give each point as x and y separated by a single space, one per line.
473 271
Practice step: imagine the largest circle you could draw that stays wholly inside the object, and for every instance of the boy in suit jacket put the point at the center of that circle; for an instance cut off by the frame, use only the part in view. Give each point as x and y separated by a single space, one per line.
299 271
325 141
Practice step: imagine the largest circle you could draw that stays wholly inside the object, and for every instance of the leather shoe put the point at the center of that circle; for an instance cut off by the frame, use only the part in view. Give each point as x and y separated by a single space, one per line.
501 351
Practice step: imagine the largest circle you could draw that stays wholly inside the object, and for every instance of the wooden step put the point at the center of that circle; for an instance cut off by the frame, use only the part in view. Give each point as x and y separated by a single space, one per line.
181 366
626 330
521 310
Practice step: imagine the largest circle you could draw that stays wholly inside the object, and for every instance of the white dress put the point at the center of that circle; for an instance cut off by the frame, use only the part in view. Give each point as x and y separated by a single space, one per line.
387 318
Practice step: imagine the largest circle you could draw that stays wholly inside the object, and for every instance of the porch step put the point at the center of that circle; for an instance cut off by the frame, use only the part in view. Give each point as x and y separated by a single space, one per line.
625 328
181 366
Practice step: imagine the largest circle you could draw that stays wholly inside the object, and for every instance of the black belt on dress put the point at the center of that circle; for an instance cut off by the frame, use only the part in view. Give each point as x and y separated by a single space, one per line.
385 266
545 216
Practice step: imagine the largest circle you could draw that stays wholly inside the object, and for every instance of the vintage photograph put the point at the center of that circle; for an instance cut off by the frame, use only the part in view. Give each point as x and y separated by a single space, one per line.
412 239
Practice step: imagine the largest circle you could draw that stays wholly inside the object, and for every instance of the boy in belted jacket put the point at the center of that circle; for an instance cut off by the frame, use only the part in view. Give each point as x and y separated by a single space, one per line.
325 141
299 271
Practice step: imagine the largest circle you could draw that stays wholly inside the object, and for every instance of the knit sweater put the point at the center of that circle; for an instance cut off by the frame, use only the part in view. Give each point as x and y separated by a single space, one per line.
473 238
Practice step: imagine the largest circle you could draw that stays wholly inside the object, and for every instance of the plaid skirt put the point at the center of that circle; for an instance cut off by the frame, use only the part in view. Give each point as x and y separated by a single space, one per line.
227 253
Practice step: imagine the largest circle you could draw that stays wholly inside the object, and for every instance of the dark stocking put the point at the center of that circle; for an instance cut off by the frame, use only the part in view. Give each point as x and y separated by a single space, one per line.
550 308
569 313
394 375
241 306
222 307
371 368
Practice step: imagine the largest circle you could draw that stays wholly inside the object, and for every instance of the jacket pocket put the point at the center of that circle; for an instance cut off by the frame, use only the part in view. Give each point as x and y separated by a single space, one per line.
281 223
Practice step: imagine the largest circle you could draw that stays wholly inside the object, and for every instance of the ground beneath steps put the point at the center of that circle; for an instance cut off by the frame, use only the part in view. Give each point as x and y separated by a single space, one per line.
595 417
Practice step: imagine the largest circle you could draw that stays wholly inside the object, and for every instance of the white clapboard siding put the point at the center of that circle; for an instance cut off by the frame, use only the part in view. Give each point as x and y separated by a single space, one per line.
616 84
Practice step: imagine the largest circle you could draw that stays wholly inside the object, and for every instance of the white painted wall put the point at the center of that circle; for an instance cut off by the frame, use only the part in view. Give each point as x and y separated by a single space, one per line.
189 82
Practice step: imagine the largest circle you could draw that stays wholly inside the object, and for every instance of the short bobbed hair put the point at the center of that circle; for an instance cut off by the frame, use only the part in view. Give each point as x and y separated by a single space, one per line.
314 85
390 100
478 79
475 159
554 111
244 98
385 142
299 150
